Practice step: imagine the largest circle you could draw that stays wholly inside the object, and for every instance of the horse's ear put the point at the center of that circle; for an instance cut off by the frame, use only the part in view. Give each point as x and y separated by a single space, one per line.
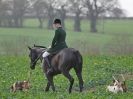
29 47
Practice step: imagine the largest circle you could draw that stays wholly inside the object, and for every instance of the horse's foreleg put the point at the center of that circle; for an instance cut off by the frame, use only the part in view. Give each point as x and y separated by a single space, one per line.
50 81
67 75
47 87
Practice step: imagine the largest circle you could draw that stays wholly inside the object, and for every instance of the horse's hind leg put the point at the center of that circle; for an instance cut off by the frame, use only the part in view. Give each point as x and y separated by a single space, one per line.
79 75
80 81
67 75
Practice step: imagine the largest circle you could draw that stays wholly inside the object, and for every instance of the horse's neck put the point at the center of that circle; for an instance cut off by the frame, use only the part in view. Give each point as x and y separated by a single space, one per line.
40 52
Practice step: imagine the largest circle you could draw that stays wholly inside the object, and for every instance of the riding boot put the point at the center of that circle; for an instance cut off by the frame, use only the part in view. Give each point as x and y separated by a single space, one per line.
48 62
50 70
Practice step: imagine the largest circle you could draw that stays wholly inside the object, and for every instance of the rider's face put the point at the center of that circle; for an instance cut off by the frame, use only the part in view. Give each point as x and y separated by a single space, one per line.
54 26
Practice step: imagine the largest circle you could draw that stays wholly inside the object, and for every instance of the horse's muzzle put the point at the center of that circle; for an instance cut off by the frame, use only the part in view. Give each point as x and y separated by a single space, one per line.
32 66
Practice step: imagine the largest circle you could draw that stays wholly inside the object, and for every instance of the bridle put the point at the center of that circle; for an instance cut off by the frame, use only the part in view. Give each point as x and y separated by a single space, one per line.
38 57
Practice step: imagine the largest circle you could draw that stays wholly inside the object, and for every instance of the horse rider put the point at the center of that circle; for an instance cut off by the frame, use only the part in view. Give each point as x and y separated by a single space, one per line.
58 42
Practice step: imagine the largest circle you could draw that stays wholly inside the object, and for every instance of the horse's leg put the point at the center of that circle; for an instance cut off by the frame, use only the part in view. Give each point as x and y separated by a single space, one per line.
79 75
67 75
47 87
49 78
50 81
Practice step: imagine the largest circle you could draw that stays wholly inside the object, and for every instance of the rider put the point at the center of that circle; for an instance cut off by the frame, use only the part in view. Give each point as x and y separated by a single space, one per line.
58 42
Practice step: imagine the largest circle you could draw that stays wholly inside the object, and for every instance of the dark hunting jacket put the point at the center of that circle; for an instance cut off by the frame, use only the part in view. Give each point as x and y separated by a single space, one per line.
58 42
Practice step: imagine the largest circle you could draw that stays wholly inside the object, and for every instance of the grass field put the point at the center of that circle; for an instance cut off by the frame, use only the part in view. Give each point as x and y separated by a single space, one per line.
98 67
110 26
97 73
15 41
24 37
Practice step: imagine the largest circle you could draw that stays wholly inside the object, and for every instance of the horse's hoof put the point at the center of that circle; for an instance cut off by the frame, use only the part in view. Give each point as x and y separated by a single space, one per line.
70 92
46 90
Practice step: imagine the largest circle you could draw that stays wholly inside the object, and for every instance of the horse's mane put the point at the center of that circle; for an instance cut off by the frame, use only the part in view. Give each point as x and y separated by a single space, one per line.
40 46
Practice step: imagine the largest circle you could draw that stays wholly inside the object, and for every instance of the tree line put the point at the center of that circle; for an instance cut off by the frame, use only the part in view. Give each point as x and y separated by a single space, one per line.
12 12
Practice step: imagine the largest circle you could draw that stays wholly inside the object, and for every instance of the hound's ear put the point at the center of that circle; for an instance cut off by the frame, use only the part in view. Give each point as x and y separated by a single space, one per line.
124 83
29 48
113 81
118 80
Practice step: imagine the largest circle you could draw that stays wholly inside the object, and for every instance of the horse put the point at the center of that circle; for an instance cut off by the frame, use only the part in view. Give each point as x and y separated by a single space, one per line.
61 63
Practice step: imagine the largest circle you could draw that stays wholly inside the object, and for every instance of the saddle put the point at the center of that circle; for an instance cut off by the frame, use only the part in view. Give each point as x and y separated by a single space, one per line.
52 55
51 69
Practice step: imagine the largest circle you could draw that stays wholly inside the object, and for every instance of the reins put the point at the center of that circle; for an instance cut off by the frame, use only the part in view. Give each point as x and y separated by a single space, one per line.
38 57
29 75
30 72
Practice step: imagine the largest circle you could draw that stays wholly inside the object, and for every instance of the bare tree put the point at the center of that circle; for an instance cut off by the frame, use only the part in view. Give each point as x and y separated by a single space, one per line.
50 17
0 12
4 13
50 12
18 10
56 9
75 7
118 13
97 7
40 9
61 13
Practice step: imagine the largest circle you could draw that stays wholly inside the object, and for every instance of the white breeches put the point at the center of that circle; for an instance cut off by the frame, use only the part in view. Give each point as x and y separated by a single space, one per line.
45 54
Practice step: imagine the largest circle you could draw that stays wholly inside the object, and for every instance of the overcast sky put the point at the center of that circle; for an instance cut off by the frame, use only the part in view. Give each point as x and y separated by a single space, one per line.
128 6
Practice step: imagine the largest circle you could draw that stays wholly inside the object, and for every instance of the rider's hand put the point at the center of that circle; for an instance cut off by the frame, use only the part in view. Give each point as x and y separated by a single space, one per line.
49 46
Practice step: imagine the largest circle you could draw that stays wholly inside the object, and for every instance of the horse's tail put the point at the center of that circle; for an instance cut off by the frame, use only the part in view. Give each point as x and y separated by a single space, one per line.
79 60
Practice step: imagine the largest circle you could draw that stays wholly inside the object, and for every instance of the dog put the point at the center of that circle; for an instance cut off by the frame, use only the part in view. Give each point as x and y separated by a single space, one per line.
117 86
20 85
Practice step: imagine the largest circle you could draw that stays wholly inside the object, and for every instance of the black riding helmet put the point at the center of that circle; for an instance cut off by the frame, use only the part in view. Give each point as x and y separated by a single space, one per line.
57 21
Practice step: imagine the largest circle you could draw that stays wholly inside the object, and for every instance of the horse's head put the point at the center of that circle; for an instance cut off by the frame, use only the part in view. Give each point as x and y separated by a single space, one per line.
33 55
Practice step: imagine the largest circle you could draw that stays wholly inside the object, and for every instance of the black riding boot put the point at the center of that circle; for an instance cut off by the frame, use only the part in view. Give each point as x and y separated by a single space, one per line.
47 61
50 70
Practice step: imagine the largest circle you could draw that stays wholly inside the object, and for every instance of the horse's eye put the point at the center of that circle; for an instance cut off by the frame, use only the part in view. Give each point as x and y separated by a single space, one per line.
30 55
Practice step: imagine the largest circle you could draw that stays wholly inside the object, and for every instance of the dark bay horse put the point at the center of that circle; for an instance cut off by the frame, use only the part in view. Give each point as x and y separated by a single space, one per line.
61 63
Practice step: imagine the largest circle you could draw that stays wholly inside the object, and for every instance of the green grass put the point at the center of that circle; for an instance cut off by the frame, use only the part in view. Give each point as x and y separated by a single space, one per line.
97 70
20 38
97 74
29 36
110 26
118 26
